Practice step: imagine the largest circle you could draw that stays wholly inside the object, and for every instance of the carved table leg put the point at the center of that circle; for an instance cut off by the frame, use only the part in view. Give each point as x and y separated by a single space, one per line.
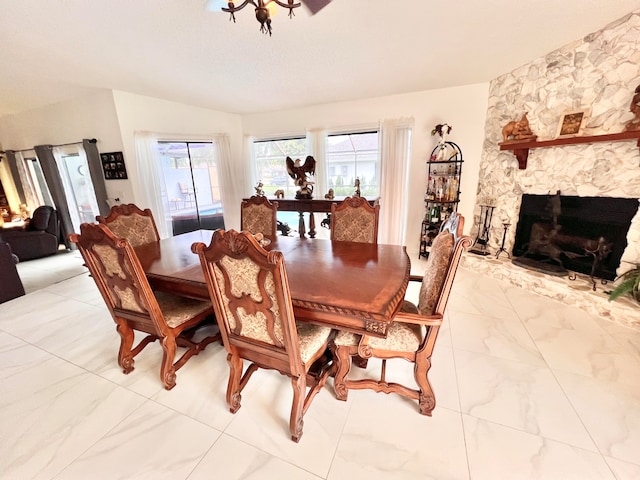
312 225
301 227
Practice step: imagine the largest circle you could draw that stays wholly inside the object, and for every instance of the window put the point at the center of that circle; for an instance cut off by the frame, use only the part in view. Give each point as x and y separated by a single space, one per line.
348 156
38 182
270 164
351 156
192 185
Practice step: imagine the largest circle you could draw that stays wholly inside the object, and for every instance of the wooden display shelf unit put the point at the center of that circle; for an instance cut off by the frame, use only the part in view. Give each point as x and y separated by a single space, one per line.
521 148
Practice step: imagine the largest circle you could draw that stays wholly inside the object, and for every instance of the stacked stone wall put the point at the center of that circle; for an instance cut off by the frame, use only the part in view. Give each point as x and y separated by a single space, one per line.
599 74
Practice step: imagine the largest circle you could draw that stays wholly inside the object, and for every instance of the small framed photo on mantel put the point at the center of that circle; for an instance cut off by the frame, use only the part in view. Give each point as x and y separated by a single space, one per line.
113 166
572 123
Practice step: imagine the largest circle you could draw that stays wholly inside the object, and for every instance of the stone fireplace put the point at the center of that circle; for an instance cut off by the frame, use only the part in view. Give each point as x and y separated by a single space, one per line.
599 74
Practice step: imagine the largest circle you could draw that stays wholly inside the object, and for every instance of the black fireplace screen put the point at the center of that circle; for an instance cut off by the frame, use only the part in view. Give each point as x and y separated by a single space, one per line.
582 234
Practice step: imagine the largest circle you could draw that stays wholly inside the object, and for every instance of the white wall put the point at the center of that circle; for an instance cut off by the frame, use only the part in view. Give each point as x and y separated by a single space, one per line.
67 122
464 108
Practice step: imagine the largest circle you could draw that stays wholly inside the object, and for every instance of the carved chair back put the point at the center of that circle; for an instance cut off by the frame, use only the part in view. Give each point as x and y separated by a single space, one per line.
130 222
355 220
442 266
258 215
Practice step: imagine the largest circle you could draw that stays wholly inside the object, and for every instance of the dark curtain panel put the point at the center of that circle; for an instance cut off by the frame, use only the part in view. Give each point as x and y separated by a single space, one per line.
97 178
54 182
13 168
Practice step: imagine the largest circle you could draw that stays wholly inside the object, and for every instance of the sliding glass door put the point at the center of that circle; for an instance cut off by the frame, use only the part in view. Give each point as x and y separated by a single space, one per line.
78 189
192 184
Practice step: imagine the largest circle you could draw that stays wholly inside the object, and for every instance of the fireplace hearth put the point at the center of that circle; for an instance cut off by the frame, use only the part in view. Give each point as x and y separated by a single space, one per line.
556 234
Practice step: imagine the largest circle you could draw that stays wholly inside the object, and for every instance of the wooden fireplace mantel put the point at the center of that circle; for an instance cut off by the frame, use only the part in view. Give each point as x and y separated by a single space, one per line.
521 148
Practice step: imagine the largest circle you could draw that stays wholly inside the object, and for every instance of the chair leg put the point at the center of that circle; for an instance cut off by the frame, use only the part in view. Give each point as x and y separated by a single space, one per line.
343 361
234 388
125 355
168 371
297 409
426 397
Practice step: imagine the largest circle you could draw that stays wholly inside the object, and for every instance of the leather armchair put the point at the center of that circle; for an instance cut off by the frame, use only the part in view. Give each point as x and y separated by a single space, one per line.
40 237
10 283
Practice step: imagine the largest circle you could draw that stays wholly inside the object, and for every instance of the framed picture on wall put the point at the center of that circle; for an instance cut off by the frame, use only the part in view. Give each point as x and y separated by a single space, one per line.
113 166
572 123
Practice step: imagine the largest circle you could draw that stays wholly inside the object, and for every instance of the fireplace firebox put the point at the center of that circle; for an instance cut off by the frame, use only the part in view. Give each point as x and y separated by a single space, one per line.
582 234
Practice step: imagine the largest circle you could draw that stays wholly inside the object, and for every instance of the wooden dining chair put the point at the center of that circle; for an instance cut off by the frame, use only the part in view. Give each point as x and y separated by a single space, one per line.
258 215
169 318
250 294
354 220
130 222
412 334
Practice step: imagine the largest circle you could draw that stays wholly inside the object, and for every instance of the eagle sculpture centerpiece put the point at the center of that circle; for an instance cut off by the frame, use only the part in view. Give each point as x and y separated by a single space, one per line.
299 174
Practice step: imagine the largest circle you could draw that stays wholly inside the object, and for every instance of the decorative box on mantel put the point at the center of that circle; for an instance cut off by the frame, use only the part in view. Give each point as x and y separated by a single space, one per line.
521 148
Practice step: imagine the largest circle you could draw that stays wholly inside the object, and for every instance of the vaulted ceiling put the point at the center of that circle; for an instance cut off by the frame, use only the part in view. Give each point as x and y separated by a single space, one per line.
55 50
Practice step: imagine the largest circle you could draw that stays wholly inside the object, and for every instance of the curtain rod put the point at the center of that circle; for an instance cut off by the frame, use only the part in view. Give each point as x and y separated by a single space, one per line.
17 151
92 140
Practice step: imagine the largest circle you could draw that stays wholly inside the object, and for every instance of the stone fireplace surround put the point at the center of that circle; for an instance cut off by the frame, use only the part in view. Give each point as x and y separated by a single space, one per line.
598 73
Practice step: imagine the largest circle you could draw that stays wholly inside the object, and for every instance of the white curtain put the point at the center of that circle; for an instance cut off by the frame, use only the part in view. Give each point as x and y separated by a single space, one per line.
231 182
9 187
74 208
152 193
30 191
395 152
249 168
316 142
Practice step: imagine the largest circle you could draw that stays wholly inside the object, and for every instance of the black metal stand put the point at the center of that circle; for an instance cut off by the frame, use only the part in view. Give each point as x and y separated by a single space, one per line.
484 228
504 236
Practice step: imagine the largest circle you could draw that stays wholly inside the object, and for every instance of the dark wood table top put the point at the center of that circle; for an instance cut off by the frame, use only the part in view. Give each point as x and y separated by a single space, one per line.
354 286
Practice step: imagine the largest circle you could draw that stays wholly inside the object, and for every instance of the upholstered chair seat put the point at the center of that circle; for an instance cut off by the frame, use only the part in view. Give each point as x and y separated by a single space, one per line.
401 337
177 309
311 338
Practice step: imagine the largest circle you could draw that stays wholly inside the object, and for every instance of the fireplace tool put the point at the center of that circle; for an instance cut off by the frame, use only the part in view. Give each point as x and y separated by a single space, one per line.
504 236
482 238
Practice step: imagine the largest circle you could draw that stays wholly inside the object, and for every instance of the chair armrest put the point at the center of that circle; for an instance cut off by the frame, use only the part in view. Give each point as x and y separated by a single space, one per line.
427 320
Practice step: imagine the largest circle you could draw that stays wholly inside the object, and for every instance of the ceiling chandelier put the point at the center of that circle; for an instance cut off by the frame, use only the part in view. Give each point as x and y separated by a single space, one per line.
263 14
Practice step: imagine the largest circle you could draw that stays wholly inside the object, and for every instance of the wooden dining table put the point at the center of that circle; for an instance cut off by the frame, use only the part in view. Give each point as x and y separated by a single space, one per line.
352 286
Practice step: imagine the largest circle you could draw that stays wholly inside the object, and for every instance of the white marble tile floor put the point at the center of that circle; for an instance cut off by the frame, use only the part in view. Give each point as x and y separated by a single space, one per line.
526 387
